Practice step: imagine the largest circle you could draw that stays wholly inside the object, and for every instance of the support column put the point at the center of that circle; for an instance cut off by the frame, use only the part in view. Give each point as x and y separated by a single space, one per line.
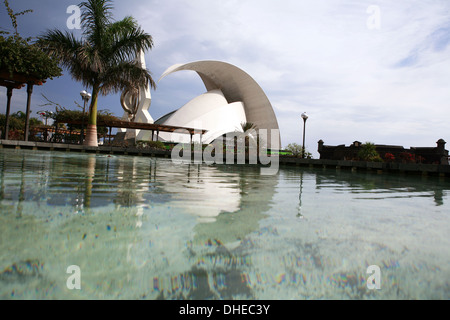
27 121
56 132
8 111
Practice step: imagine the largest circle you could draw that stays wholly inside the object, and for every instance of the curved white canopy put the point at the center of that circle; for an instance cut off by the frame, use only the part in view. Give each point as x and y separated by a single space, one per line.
237 86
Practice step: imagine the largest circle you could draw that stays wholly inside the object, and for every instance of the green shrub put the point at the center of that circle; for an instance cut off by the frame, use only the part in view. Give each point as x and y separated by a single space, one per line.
151 145
368 152
17 121
18 56
297 149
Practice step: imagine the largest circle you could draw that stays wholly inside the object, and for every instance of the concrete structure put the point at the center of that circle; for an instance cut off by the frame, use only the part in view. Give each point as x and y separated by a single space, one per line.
136 105
232 98
209 111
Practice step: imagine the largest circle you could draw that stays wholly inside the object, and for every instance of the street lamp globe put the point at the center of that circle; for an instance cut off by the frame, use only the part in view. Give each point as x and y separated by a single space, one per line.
304 116
83 93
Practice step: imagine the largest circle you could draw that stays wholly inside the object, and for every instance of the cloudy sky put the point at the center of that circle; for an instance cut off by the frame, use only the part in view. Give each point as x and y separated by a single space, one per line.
374 70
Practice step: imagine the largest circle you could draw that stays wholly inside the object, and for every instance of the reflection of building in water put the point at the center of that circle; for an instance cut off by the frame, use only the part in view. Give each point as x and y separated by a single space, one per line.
389 185
187 245
218 268
132 182
159 249
206 195
253 194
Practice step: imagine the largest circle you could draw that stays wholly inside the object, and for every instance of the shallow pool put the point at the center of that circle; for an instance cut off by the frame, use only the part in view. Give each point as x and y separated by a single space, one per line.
145 228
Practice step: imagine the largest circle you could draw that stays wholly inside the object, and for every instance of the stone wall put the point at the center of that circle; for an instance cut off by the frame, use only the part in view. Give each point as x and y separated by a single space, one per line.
426 155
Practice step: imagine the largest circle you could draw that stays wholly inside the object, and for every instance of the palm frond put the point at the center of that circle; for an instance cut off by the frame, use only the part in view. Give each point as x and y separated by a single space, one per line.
95 17
247 126
72 54
104 59
128 38
63 46
126 75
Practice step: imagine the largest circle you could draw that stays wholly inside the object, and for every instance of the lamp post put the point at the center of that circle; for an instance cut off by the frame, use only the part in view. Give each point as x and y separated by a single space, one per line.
86 96
304 117
46 115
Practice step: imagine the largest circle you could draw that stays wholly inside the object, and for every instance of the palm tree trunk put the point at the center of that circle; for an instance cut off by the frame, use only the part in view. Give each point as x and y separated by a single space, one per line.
91 132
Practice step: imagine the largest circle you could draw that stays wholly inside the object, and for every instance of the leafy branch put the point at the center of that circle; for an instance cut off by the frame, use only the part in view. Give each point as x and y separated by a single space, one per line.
51 103
19 56
13 16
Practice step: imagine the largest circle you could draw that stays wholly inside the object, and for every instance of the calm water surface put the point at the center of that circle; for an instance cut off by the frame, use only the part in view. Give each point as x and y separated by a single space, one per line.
143 228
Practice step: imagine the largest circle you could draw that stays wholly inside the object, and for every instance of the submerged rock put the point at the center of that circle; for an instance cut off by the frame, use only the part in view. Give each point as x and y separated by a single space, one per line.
22 271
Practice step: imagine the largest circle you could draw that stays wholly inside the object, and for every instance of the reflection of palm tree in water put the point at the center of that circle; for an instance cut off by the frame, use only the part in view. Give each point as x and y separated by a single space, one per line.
2 179
134 180
255 193
90 174
22 190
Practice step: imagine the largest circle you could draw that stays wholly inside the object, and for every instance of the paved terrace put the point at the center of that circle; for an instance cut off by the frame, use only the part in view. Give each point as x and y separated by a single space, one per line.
355 166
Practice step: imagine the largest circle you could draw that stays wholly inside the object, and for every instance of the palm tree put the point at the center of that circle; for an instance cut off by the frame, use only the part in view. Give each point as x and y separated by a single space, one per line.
249 130
247 126
104 59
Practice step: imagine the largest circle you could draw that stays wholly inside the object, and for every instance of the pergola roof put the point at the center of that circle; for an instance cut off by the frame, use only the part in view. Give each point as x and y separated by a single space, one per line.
139 126
17 80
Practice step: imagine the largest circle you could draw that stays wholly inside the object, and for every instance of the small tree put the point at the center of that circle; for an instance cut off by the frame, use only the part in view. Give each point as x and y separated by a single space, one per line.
17 124
20 56
369 152
22 62
103 59
297 150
